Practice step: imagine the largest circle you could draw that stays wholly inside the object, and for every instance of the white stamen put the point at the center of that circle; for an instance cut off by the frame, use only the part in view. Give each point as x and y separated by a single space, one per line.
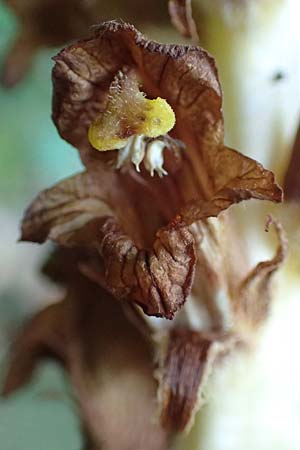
137 151
124 154
154 158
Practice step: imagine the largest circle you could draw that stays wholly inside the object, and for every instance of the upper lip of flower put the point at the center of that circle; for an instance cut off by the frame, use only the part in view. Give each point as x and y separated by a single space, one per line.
134 125
128 113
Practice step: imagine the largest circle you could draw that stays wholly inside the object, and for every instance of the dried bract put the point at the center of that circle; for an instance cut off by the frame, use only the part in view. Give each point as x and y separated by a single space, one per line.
181 17
255 290
185 367
108 363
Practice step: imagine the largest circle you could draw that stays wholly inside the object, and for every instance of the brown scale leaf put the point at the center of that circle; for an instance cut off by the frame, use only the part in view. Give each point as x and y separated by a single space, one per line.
181 17
221 265
254 294
109 364
43 336
186 364
183 13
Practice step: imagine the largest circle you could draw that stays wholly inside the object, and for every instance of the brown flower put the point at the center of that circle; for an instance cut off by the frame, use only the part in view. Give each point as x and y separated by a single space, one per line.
140 226
157 241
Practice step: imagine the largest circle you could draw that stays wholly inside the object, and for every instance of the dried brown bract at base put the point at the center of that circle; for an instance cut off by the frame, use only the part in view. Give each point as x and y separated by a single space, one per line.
185 365
107 360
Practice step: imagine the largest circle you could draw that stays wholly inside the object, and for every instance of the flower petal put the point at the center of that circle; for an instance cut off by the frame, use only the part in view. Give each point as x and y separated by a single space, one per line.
59 211
235 178
75 212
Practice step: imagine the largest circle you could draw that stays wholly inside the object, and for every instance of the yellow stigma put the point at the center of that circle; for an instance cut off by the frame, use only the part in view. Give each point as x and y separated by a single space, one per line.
159 118
103 142
129 113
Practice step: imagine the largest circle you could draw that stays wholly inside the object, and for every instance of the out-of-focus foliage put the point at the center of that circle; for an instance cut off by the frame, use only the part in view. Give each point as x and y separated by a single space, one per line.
31 156
31 153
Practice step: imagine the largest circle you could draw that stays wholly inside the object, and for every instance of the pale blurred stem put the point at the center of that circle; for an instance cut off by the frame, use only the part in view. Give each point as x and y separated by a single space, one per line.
260 77
259 71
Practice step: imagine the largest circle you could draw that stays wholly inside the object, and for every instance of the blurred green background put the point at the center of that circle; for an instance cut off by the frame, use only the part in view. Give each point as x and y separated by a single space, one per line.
32 157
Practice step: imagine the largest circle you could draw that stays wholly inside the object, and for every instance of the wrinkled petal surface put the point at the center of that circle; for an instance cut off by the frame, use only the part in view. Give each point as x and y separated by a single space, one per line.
75 212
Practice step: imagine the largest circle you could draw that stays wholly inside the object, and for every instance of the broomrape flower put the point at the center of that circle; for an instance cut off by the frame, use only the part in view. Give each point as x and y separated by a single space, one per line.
136 245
